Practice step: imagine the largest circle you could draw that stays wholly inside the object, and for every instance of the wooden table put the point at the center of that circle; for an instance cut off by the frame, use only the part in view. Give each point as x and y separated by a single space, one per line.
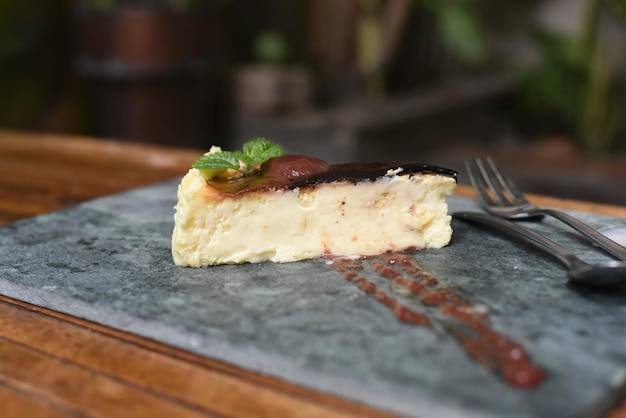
56 365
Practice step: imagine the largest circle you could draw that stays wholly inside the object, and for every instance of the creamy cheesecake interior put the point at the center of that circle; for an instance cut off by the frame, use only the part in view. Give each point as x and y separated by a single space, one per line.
327 215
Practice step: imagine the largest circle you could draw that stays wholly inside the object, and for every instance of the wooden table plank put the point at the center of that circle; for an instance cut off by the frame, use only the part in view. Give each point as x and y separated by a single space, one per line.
40 173
184 378
16 404
72 387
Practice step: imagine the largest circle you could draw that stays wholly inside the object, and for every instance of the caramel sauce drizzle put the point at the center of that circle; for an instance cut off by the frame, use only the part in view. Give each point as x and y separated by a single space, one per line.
467 325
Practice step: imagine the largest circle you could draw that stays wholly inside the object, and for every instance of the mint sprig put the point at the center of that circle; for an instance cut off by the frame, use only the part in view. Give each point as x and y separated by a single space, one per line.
217 161
253 154
260 150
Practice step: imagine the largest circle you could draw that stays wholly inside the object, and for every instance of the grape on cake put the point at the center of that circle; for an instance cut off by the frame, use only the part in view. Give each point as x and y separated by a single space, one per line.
260 205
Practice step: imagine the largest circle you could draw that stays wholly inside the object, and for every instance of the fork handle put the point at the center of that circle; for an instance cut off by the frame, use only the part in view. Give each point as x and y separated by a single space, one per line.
596 237
510 228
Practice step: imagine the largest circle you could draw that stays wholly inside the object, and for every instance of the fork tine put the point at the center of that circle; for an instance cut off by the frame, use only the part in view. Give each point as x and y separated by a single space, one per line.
496 189
506 183
478 182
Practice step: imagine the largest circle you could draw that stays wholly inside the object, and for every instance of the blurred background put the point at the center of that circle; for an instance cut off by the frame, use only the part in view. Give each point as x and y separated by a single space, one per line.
537 84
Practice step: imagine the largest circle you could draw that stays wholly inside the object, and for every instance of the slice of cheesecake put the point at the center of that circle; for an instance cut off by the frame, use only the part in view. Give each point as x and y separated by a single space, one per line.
296 208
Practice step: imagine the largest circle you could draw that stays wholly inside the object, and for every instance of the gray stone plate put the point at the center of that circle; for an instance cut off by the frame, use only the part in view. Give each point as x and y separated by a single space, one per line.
109 261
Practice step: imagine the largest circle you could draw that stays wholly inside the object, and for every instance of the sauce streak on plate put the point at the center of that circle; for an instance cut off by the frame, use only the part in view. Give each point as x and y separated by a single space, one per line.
484 345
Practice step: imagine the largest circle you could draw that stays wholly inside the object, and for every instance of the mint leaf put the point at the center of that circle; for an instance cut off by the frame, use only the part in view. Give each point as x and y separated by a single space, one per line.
256 146
254 153
217 161
260 150
244 158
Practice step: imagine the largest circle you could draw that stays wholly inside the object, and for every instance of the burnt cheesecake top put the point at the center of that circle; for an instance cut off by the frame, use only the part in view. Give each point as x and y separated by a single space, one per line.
293 171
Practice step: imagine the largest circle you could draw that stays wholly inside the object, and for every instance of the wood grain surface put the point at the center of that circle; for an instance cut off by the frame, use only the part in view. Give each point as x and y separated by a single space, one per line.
55 365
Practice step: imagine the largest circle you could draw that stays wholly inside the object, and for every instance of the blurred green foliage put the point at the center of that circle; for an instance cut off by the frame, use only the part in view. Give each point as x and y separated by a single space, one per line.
577 85
460 27
34 59
271 47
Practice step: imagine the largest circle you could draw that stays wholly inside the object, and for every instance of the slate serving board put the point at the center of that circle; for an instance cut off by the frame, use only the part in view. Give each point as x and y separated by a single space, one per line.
109 261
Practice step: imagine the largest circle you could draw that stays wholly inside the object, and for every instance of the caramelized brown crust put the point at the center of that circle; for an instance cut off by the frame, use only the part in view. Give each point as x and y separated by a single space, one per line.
351 172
